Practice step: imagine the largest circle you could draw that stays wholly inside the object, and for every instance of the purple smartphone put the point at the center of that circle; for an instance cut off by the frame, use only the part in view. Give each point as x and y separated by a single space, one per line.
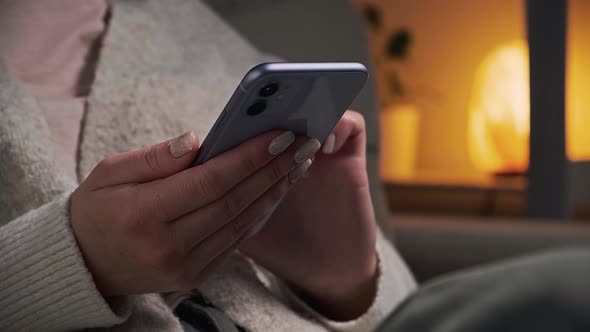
306 98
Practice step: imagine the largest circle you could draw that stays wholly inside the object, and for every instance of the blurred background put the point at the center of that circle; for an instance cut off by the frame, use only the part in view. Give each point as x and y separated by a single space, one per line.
477 111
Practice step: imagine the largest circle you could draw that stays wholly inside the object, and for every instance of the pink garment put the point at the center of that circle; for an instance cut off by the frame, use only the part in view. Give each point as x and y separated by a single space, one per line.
50 47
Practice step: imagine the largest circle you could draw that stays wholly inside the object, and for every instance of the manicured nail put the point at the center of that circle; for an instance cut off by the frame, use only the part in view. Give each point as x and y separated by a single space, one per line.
299 171
281 143
307 150
329 144
182 144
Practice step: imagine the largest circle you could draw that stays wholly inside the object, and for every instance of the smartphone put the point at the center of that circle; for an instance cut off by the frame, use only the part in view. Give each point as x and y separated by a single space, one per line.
306 98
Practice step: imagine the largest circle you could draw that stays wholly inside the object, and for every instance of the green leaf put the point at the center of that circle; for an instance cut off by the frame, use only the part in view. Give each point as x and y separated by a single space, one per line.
372 16
398 45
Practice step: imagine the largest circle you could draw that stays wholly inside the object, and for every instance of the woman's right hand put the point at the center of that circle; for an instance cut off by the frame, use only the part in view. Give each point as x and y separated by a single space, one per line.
147 223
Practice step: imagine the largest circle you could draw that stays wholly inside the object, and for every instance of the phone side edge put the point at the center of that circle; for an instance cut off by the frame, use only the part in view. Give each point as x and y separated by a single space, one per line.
207 148
254 74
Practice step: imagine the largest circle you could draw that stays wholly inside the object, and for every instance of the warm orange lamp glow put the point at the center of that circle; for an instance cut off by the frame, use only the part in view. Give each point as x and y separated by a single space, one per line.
499 110
498 128
578 81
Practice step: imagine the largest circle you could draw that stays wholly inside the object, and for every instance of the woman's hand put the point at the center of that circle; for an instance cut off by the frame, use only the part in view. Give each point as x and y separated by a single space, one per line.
146 223
321 238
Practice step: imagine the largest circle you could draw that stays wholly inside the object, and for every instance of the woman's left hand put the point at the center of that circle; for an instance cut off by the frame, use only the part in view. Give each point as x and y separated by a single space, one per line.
321 238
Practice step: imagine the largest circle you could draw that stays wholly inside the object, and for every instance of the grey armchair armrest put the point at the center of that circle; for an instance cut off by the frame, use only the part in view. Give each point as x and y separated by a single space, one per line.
434 245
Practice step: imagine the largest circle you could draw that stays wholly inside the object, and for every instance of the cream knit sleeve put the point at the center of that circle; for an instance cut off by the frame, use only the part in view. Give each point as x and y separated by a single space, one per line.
44 284
394 284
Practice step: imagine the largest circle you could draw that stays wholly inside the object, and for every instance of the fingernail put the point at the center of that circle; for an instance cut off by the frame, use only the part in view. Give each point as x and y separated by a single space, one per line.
307 150
299 171
281 142
182 145
329 144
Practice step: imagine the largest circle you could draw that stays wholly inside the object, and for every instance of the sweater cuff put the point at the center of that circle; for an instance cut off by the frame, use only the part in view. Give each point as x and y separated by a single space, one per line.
394 284
44 283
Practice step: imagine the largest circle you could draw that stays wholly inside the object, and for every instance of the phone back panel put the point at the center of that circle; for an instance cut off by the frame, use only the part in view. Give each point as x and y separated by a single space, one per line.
310 100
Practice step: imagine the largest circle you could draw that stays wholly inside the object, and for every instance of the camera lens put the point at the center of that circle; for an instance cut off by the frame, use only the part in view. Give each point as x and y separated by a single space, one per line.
256 108
268 90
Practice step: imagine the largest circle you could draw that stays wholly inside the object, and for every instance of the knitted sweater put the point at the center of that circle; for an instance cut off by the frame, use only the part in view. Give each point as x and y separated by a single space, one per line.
165 67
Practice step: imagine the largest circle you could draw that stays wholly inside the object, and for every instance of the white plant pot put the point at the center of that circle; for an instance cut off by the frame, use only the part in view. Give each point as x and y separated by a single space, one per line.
399 142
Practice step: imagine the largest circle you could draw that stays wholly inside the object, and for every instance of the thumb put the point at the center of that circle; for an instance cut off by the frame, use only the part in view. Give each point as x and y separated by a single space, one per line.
148 164
350 128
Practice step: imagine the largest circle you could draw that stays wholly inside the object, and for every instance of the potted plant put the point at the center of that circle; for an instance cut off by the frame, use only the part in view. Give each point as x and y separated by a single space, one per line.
399 116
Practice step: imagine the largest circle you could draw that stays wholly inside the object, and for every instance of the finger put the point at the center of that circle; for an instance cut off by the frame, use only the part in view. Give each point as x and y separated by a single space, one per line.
214 265
235 231
151 163
350 126
196 187
194 227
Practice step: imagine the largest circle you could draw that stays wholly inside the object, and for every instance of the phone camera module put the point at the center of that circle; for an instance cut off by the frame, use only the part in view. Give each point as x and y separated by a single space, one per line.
256 108
268 90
